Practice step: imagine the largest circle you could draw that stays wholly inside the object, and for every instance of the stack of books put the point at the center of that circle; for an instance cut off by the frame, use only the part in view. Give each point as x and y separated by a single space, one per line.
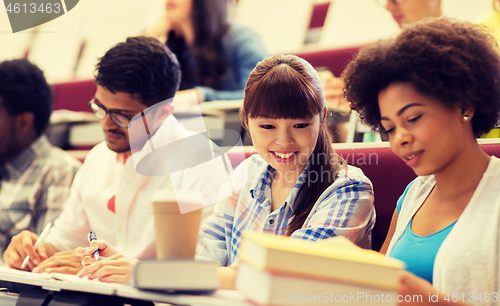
279 270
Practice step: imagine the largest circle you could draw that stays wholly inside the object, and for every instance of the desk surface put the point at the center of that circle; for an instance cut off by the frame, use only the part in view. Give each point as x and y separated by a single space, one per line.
58 282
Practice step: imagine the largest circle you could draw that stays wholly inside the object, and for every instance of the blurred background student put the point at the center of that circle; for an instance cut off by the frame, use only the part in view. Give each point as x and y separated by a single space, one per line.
216 55
35 177
406 12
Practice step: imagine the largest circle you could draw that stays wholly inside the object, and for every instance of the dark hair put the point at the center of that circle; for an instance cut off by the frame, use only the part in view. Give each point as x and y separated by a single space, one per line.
209 18
454 62
23 88
288 87
140 65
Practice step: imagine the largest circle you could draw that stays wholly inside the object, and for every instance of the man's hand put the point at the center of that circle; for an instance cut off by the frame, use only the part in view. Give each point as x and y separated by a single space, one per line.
87 254
114 269
22 246
61 262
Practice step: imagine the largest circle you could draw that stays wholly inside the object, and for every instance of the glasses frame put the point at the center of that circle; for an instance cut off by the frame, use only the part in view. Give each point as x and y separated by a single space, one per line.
112 114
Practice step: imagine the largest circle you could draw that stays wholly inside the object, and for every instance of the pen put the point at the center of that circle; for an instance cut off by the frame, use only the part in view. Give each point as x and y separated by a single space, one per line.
92 237
37 243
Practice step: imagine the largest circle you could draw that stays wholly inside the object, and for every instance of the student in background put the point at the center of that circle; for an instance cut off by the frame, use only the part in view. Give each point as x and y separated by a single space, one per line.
35 177
109 196
406 12
492 22
433 90
295 186
216 56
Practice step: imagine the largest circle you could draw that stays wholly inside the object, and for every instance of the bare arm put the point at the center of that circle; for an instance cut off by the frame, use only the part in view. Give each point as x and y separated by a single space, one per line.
390 233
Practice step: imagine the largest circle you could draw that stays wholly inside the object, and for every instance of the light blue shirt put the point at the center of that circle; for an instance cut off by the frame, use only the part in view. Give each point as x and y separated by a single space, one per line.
418 252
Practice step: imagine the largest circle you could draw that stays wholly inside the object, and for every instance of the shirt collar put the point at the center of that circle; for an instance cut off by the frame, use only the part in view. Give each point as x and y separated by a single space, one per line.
263 184
38 148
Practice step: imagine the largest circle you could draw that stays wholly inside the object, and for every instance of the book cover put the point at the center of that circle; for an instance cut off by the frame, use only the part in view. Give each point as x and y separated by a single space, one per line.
335 259
272 288
175 275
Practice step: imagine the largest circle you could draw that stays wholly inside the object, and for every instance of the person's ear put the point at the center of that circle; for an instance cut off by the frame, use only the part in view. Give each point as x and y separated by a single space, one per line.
467 114
25 122
164 111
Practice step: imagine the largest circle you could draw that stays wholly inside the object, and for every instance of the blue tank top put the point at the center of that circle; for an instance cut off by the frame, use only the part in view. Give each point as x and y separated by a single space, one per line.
418 252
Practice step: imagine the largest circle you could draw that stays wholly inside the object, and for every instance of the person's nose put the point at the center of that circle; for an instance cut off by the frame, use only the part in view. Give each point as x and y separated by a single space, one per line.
402 137
108 123
284 137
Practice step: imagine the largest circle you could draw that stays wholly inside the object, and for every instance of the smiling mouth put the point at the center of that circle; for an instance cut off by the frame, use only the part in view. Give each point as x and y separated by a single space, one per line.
284 155
411 156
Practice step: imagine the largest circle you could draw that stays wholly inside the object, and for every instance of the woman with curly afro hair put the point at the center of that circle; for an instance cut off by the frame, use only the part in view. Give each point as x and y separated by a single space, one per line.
433 90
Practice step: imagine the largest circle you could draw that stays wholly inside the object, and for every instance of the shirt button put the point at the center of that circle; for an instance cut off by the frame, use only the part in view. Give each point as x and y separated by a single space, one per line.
119 229
271 221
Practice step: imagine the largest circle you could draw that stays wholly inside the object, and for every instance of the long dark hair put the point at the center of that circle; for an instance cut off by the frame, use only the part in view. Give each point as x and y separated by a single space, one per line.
210 23
288 87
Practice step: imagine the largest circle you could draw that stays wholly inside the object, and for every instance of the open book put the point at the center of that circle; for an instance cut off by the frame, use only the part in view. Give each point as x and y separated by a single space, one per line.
56 281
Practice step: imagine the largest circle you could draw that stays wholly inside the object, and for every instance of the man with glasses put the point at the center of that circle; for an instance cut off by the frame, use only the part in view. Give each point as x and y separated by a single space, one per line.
110 195
35 177
410 11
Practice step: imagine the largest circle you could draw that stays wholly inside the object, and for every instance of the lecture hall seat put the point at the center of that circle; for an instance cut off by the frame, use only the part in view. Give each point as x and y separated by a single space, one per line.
73 95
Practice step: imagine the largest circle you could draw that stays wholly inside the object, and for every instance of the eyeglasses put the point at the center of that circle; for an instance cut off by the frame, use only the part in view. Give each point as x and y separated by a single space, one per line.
384 3
101 112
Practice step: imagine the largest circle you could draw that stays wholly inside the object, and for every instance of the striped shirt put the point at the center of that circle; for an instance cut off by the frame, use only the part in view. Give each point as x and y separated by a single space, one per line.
344 208
33 188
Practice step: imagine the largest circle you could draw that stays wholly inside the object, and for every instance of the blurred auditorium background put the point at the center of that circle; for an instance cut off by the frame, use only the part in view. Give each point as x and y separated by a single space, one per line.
326 33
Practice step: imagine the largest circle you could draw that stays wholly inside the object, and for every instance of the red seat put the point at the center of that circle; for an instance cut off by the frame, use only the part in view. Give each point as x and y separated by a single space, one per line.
74 95
319 15
335 59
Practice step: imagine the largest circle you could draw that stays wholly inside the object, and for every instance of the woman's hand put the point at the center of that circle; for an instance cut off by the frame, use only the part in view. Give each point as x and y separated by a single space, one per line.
412 286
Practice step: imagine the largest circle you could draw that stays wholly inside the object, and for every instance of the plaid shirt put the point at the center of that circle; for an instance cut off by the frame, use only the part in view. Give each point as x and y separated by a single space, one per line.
344 208
33 188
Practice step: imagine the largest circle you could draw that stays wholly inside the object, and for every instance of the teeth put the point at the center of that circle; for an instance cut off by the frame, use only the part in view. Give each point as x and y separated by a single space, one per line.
410 157
284 155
